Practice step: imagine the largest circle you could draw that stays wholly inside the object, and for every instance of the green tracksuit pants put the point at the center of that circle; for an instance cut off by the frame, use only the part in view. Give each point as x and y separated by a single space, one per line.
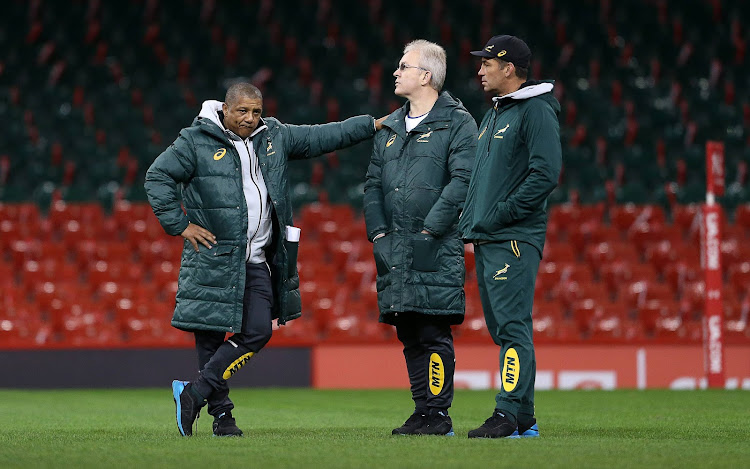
506 272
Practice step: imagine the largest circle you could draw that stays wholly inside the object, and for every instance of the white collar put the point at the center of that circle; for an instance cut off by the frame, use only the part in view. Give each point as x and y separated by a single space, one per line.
527 92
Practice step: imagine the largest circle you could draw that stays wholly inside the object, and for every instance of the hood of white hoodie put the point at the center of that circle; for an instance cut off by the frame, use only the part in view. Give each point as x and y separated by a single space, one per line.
211 109
527 92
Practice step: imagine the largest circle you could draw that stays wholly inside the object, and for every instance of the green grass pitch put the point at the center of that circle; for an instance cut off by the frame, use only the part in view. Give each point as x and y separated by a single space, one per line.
303 428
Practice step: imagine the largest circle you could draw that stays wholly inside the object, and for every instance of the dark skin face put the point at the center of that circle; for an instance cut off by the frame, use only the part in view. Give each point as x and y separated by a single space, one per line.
243 116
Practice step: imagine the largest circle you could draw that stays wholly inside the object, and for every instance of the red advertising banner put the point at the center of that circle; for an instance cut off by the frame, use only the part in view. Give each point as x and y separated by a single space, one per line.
558 367
712 318
715 168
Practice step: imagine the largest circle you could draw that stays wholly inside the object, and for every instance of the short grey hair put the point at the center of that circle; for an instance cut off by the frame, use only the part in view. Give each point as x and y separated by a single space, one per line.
245 90
432 58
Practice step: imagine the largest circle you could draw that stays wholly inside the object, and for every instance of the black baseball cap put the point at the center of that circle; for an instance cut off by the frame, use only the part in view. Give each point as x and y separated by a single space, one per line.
508 48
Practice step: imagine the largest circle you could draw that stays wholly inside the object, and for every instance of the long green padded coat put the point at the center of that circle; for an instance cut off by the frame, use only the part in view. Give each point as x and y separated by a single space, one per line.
204 165
418 181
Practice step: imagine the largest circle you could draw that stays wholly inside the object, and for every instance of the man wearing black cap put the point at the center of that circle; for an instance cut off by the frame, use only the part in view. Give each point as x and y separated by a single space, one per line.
516 167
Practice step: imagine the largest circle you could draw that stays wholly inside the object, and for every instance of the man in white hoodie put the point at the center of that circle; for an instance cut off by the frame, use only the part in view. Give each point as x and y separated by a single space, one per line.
239 269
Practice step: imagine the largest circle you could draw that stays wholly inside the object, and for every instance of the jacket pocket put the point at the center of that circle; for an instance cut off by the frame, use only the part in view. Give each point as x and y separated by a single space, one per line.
214 266
291 258
424 253
381 250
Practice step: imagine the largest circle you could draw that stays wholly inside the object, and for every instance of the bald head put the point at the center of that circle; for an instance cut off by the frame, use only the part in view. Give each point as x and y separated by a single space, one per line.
242 90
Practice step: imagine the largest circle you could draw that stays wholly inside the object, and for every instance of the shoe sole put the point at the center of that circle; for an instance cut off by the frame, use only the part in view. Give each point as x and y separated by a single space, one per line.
512 436
450 433
177 388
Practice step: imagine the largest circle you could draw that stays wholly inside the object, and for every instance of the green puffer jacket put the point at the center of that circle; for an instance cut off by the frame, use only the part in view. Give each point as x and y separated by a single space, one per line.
418 181
211 282
517 167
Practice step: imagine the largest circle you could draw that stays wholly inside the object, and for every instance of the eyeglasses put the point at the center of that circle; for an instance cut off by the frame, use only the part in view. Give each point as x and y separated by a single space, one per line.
402 66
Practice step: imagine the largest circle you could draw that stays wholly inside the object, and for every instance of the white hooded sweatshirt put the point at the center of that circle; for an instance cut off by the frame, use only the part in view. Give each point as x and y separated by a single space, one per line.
253 185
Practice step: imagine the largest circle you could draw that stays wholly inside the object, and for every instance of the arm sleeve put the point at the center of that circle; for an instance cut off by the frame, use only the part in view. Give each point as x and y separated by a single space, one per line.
463 147
174 166
308 141
541 131
373 200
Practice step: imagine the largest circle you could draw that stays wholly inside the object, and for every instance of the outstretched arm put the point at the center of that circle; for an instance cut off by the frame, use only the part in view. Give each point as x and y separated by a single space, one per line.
308 141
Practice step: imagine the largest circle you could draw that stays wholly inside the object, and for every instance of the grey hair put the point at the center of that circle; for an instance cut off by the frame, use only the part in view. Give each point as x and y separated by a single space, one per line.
245 90
432 58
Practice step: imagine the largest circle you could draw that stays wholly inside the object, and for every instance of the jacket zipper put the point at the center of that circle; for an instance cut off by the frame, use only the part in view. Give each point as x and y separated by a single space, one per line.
409 135
260 196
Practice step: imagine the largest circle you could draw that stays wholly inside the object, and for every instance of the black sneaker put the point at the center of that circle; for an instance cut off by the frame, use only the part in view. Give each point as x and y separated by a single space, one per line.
497 426
225 425
438 422
415 420
187 406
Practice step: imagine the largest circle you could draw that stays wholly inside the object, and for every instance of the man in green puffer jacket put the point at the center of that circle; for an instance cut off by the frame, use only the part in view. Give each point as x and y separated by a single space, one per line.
239 266
414 193
517 166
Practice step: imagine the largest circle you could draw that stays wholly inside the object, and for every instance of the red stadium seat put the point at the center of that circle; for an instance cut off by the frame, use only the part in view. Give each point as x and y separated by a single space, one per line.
662 253
298 331
547 316
644 234
342 329
580 273
625 216
559 252
473 302
739 278
571 291
608 251
588 233
737 331
615 273
473 330
686 217
342 253
651 310
548 276
742 216
116 251
164 272
635 294
359 273
676 330
679 272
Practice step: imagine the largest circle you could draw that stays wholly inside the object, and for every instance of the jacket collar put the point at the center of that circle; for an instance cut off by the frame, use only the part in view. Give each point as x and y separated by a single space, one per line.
440 111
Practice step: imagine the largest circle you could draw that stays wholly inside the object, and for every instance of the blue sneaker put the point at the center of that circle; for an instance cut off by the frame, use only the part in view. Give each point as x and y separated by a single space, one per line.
530 432
187 406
